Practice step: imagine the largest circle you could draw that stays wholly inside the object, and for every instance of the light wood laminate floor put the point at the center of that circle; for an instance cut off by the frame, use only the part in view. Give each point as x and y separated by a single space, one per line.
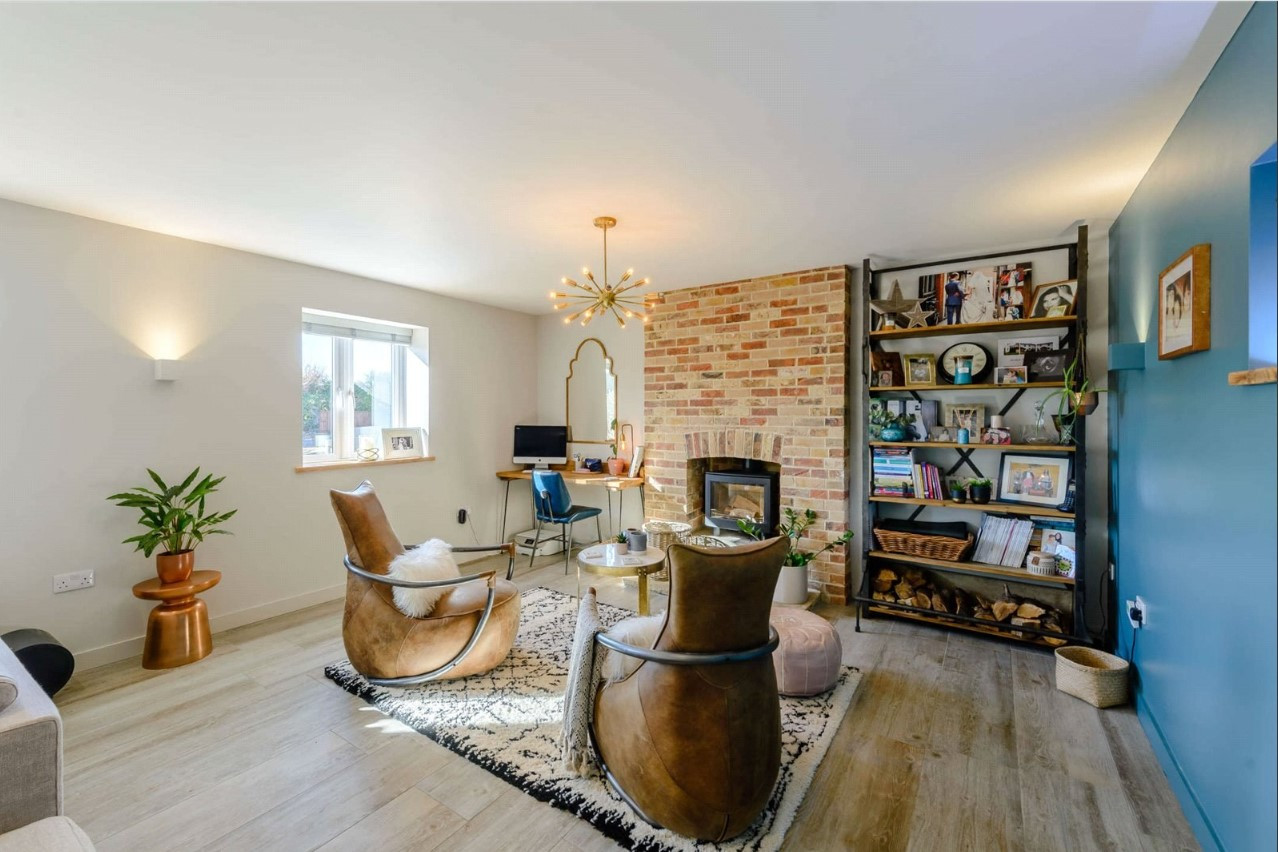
951 743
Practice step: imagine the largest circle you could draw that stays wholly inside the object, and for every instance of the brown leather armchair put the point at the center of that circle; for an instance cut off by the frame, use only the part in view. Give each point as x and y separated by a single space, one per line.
470 630
692 738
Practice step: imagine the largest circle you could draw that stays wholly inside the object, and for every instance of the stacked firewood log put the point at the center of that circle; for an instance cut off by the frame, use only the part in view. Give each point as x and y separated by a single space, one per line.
923 590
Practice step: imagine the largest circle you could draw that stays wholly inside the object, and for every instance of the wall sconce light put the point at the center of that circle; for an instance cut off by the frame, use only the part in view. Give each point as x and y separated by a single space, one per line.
621 439
167 370
1127 356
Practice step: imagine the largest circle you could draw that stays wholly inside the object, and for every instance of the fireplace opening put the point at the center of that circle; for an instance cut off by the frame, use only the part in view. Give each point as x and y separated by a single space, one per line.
742 495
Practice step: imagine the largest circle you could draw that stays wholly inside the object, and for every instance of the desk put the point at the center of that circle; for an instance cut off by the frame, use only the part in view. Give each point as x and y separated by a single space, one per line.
614 484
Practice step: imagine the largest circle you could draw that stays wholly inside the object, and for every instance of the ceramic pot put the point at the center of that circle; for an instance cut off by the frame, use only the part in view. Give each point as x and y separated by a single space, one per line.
958 495
792 585
981 493
891 433
636 540
175 567
614 549
616 466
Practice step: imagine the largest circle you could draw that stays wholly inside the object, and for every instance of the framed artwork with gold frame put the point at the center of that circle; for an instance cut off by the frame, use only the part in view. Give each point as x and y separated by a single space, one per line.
1184 304
920 369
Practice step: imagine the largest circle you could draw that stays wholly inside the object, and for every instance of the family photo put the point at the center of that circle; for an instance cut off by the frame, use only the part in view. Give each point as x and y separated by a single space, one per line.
1054 300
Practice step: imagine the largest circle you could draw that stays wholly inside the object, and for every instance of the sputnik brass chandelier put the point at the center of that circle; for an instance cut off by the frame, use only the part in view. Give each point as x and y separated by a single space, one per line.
597 299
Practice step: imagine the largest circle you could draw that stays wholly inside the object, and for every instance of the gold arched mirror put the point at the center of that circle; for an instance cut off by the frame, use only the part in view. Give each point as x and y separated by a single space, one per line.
591 394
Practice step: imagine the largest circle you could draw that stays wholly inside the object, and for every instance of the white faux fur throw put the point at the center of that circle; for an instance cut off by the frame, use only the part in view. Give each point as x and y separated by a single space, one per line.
432 560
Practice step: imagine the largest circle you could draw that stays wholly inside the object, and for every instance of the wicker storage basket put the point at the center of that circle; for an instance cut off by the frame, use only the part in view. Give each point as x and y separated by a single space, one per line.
930 546
1098 678
662 534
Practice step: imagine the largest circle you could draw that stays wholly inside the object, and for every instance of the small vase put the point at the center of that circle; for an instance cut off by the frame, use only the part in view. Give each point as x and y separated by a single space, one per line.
175 567
963 370
1085 403
958 496
981 493
1065 426
893 433
616 466
614 549
792 585
963 436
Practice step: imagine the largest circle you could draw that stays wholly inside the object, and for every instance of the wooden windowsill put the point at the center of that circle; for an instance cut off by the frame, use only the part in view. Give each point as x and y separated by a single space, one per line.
345 463
1260 376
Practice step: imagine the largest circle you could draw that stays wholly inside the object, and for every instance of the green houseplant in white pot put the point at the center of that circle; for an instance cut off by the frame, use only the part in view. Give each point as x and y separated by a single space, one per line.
792 585
175 520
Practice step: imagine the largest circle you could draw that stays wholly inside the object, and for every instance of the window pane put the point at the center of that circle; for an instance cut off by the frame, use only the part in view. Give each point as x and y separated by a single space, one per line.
374 397
317 395
417 393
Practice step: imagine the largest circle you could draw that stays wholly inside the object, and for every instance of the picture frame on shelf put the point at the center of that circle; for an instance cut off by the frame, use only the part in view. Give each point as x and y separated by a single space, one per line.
1013 291
962 296
1049 366
889 362
969 416
404 443
1054 300
920 369
1034 479
1012 351
1011 376
940 435
882 379
1184 304
996 436
636 461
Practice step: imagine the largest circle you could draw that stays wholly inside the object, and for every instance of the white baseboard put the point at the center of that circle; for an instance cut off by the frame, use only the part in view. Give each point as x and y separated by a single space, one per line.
127 648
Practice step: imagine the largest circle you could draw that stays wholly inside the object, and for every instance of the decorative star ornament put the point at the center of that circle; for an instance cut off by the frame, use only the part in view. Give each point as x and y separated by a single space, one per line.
895 303
918 316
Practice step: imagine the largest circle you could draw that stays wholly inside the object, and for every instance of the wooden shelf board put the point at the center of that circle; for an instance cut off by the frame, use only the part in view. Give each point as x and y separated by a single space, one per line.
348 463
1062 448
972 568
1028 638
899 388
973 328
1259 376
1007 508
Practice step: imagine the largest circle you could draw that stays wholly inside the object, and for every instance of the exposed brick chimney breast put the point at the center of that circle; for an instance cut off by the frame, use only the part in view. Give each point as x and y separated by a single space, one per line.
757 370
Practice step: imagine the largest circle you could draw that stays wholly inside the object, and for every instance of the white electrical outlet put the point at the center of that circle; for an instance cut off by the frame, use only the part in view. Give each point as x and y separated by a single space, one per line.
1137 613
71 582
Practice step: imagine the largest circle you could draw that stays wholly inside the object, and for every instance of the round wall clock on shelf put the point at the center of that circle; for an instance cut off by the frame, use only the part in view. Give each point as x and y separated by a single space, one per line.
982 361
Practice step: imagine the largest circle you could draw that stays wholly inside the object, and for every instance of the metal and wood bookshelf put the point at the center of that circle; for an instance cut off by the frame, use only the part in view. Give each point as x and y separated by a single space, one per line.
875 282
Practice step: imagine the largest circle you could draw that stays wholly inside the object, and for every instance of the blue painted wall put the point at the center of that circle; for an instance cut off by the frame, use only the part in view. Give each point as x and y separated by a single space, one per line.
1195 466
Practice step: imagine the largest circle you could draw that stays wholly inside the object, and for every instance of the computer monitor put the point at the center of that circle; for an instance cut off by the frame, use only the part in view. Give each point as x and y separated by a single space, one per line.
541 445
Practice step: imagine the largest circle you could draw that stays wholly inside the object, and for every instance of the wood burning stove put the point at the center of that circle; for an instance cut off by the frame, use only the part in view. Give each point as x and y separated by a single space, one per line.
736 495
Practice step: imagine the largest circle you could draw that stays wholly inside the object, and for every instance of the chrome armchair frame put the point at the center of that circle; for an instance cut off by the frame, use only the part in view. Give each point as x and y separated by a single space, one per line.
677 658
489 577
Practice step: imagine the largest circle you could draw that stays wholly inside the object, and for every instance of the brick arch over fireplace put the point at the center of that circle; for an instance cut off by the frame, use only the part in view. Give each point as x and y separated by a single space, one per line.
754 370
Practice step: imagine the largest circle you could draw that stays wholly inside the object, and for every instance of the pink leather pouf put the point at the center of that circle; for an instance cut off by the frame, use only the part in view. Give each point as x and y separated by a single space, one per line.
810 654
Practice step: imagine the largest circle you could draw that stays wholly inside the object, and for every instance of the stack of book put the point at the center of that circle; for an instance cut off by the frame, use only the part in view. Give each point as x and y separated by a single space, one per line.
893 471
1003 541
927 482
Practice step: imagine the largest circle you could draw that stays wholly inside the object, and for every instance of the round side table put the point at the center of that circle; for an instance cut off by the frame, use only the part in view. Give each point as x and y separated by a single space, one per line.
594 560
177 631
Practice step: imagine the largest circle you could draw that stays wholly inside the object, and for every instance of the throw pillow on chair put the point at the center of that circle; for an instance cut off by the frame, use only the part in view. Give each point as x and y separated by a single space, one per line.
432 560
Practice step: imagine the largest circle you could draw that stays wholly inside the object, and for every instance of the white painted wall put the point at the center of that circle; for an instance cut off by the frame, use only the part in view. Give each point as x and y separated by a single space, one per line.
556 344
86 305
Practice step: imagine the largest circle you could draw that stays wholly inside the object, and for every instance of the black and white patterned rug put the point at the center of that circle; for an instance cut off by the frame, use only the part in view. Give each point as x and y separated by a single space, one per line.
508 722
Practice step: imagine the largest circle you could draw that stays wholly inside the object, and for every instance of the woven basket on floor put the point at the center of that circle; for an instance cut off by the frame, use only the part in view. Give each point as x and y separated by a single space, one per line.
930 546
1098 678
662 534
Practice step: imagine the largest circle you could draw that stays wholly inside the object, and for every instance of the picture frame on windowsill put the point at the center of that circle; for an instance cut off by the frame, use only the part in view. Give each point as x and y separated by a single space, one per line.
404 443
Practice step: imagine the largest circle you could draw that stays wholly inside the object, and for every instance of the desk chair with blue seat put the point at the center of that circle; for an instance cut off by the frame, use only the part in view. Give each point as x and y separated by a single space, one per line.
553 505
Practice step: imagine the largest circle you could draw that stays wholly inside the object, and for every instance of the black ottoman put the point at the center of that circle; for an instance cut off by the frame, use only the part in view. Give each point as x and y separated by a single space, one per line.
49 663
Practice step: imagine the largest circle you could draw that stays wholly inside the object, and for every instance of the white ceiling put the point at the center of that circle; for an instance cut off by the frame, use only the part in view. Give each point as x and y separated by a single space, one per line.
465 148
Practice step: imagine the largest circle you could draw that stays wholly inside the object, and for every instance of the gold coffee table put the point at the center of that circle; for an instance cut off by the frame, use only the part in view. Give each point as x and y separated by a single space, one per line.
595 561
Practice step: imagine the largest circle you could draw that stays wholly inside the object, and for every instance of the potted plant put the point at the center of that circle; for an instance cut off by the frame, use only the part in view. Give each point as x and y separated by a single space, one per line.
981 489
616 546
1078 398
616 465
958 491
893 427
175 520
792 585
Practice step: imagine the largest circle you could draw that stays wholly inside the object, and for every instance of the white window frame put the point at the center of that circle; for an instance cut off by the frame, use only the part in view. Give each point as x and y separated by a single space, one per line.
343 448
